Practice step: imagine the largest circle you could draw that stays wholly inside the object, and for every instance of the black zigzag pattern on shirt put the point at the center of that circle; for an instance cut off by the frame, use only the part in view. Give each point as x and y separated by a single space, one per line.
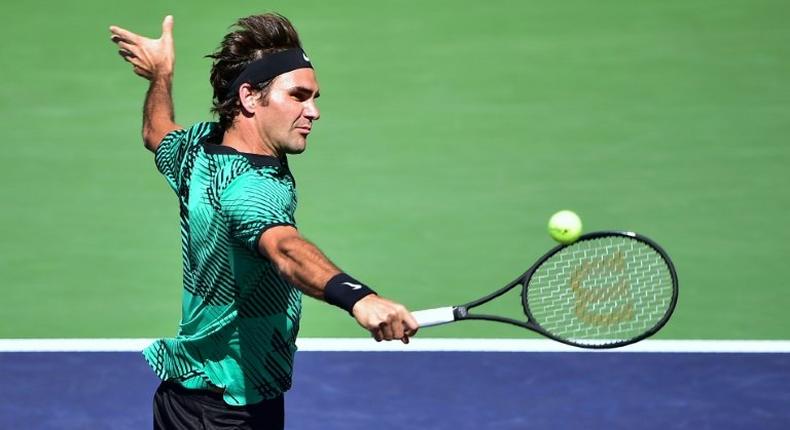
208 255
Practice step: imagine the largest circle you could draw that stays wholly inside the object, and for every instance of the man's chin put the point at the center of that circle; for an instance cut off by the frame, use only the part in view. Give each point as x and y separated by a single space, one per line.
296 145
296 149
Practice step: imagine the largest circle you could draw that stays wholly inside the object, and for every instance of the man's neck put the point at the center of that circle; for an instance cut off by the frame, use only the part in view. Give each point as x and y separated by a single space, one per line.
244 137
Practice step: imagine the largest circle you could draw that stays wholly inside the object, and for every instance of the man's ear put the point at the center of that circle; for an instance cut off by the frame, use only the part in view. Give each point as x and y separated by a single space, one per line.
248 97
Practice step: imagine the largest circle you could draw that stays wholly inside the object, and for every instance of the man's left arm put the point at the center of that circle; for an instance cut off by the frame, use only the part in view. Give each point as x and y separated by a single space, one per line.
154 60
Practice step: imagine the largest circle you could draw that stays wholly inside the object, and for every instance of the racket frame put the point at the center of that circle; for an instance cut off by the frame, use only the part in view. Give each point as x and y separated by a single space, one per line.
462 312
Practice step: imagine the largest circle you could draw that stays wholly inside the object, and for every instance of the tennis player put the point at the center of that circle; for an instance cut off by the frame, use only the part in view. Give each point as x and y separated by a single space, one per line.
245 263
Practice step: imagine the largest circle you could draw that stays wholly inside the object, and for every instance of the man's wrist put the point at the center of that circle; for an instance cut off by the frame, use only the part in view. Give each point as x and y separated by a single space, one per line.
344 292
163 77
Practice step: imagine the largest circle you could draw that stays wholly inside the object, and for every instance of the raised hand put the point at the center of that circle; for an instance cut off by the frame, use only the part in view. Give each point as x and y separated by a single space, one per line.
150 58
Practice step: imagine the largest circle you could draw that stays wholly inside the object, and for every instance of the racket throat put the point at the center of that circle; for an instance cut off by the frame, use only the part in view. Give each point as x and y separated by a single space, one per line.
460 312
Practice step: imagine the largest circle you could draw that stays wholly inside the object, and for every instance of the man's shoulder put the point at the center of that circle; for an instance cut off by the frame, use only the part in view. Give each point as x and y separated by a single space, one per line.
196 132
249 179
180 139
244 170
208 126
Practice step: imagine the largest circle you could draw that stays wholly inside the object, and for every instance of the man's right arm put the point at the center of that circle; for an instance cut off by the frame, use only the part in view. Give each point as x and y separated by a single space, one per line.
154 60
306 267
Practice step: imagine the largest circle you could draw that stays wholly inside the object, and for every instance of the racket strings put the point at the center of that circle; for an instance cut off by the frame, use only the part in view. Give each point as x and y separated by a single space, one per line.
601 291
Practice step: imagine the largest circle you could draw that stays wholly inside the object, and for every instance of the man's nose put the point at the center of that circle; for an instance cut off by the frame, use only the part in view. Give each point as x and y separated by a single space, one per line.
311 111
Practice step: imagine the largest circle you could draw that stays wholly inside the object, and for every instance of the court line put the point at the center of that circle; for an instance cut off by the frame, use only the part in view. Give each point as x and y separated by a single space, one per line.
420 344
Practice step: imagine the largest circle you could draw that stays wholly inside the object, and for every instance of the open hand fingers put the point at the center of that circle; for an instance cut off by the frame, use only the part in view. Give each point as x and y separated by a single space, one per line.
119 33
122 44
149 57
139 66
119 39
127 56
127 49
139 71
167 27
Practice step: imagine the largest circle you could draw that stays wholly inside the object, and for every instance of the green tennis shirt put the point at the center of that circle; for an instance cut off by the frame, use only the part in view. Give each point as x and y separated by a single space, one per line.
239 316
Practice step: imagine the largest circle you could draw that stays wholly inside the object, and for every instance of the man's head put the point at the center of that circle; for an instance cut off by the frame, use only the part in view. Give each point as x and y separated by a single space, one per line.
261 77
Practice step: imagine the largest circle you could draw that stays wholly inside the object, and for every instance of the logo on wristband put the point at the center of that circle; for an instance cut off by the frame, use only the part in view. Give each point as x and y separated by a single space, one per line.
353 286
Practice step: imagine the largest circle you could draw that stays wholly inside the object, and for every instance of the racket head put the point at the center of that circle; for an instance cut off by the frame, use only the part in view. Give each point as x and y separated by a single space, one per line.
606 290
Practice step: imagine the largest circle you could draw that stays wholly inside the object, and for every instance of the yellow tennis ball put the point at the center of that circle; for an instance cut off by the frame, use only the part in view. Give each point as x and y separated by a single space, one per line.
565 227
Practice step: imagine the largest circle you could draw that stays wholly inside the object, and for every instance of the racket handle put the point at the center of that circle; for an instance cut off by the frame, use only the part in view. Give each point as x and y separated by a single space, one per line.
432 317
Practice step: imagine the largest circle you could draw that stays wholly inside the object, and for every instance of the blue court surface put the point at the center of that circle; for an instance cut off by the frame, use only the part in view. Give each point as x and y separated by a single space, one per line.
432 390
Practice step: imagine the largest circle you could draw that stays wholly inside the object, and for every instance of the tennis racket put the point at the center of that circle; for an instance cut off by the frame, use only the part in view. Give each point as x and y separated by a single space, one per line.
606 290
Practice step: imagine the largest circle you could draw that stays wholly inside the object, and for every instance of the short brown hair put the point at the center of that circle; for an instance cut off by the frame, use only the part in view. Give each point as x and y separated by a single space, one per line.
252 38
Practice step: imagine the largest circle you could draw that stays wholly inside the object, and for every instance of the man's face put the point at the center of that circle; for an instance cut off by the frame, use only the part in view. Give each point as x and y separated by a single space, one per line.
287 117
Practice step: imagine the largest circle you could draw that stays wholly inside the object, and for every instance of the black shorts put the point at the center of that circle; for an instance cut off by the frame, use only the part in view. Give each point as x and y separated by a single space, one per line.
176 408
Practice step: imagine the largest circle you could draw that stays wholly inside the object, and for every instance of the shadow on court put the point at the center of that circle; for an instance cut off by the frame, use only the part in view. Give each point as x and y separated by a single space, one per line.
431 390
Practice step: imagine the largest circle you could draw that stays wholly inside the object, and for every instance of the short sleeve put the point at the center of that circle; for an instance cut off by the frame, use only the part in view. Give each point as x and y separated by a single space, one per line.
255 202
174 147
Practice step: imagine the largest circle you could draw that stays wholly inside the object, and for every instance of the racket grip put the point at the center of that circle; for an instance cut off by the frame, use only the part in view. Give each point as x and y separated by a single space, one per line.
432 317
